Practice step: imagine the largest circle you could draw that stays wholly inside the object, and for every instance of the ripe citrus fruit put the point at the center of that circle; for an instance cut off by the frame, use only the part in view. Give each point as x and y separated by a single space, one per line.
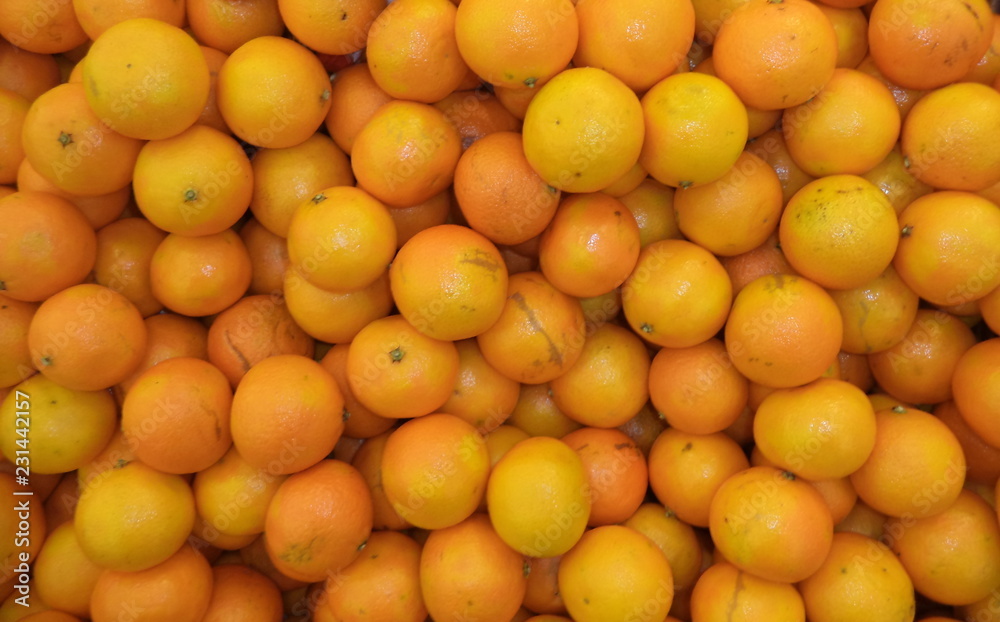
682 281
224 26
590 246
783 331
823 430
318 521
406 153
776 53
398 372
178 588
583 130
770 524
678 541
341 239
607 385
133 517
724 592
615 572
434 470
340 28
287 414
87 337
231 479
930 549
384 581
859 578
284 178
747 198
944 140
63 573
449 282
697 389
47 245
176 415
878 314
925 45
482 395
933 464
124 254
498 192
949 247
242 594
73 148
146 79
198 182
849 127
468 572
203 275
974 383
540 332
412 51
686 470
616 470
519 45
607 39
538 497
254 328
66 430
696 128
919 368
289 108
839 231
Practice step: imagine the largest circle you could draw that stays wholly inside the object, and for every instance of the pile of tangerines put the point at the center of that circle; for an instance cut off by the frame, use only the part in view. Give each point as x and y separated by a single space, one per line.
634 310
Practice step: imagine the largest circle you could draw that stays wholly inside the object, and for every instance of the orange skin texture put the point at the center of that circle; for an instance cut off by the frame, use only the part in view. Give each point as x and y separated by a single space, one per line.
87 337
787 321
925 45
768 523
860 578
916 469
397 372
540 333
384 582
724 590
198 276
468 570
251 330
384 153
518 45
285 109
697 389
679 280
196 398
766 67
590 246
412 51
498 192
607 385
73 148
919 368
449 282
47 245
974 385
686 470
178 588
287 408
124 254
165 64
318 521
967 530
